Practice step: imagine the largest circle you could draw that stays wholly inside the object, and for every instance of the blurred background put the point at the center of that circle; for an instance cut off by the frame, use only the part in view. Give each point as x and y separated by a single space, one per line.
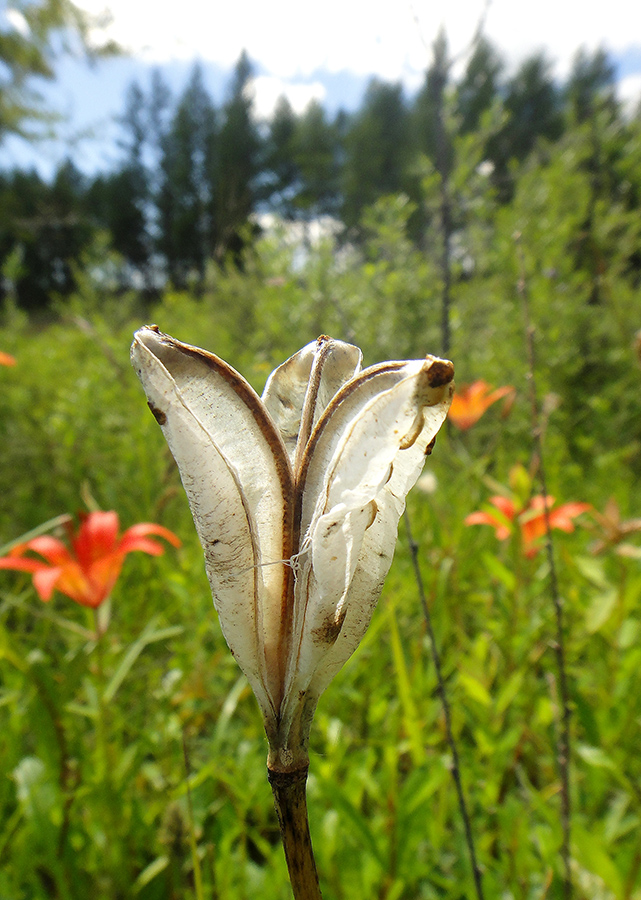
459 178
172 135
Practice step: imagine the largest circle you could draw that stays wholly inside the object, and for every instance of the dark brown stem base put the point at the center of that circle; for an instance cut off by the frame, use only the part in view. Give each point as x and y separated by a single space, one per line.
291 806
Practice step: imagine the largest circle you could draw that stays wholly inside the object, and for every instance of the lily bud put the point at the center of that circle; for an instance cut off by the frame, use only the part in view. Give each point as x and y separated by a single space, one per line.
296 497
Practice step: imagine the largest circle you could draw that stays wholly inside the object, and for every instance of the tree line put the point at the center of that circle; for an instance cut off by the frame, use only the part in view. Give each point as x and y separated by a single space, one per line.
192 176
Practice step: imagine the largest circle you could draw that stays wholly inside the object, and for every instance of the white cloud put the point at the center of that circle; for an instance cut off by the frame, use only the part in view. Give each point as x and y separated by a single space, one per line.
291 39
629 92
15 18
268 88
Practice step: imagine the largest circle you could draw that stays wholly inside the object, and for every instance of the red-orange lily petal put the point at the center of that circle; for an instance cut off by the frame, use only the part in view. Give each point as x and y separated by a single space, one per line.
45 580
97 536
500 521
135 538
471 401
532 520
6 359
88 571
19 564
50 548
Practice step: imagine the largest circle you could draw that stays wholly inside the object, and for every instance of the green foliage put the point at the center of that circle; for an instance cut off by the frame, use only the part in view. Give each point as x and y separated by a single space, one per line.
48 226
98 798
377 150
188 187
91 734
34 34
194 179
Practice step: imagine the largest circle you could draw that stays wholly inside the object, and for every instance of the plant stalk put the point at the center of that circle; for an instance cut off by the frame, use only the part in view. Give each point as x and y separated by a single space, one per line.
563 743
440 682
290 800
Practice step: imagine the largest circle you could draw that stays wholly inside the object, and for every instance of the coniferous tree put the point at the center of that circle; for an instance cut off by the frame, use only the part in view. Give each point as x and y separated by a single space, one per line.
280 169
533 106
433 138
50 226
126 193
187 190
315 146
428 115
533 103
376 150
237 165
479 86
591 85
158 118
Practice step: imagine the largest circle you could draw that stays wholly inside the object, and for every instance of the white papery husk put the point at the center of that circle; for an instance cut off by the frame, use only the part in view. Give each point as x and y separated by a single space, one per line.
296 497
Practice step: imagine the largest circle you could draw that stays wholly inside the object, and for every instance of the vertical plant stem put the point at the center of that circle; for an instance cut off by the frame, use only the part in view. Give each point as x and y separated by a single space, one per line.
456 769
290 799
195 861
104 761
442 162
563 743
102 768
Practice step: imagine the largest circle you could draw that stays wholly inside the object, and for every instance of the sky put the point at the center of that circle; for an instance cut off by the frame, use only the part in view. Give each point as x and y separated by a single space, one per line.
329 50
292 39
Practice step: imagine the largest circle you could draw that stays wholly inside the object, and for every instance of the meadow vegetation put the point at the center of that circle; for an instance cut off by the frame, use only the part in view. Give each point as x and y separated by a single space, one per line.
134 765
133 758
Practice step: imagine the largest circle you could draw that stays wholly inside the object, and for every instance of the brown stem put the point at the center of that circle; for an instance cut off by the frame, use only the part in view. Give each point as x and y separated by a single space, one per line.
445 703
563 742
291 806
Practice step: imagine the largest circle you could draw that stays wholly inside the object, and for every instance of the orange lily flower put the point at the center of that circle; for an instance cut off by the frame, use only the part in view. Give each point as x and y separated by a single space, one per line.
469 404
6 359
88 570
501 521
531 519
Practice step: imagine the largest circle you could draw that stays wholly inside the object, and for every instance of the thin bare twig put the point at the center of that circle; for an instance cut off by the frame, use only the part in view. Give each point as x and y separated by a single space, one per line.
563 743
456 769
440 71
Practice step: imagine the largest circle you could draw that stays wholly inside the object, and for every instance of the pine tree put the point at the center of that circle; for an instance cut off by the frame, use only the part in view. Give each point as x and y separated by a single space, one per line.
280 170
237 165
187 190
376 150
533 104
49 224
315 145
428 116
591 85
479 88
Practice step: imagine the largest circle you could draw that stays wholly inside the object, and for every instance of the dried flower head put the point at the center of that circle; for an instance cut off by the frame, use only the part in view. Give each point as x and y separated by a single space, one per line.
296 497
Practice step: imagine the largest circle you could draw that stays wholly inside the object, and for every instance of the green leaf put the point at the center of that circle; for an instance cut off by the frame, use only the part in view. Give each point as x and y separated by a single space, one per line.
148 636
509 691
593 857
474 689
592 569
502 574
600 610
410 715
149 873
595 756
